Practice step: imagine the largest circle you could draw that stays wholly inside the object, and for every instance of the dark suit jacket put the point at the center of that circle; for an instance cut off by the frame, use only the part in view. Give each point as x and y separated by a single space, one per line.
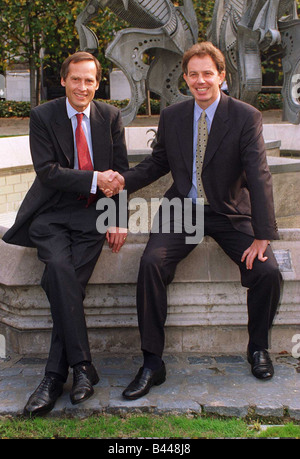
236 177
52 150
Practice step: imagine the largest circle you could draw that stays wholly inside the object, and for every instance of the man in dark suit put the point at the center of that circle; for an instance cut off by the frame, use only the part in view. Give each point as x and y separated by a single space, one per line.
229 171
73 141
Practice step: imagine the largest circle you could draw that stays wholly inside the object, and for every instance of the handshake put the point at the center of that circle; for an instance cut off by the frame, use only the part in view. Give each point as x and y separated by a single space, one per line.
110 182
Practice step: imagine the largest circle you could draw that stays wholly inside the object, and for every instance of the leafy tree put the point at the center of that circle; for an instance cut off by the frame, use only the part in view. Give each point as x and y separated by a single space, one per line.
204 11
29 28
42 32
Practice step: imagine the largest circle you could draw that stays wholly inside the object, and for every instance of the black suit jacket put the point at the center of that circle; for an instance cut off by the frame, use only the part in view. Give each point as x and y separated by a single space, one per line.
235 175
52 150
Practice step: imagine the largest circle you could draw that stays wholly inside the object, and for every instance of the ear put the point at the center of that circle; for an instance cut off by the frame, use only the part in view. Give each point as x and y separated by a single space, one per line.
62 82
222 77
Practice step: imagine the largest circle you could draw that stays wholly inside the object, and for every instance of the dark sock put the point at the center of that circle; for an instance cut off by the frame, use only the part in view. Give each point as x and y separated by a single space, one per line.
152 361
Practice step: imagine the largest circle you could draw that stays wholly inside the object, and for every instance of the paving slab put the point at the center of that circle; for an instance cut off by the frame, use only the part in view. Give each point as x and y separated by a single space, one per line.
196 384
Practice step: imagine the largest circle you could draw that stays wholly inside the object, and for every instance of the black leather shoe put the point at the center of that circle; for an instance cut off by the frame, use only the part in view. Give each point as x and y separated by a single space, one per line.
44 397
143 382
261 364
84 378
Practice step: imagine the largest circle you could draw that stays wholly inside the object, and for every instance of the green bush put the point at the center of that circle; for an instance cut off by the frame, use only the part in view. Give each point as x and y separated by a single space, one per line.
269 101
9 108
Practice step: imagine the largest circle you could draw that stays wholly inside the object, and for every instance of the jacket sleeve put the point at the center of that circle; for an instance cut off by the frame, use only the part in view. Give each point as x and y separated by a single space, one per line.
259 179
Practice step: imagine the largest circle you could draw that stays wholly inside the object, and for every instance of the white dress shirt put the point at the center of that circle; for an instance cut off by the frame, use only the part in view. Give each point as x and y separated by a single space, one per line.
86 125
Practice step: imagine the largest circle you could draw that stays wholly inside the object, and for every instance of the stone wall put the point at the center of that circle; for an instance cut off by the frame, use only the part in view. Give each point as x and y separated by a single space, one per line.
207 305
14 184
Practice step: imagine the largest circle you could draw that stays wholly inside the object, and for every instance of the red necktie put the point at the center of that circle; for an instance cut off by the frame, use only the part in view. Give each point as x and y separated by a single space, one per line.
84 158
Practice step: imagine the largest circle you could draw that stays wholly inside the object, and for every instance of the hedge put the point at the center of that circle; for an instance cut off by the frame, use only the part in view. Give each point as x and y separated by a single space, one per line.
10 109
269 101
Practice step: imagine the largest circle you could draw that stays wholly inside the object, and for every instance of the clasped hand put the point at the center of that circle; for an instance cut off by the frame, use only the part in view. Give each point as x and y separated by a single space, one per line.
110 182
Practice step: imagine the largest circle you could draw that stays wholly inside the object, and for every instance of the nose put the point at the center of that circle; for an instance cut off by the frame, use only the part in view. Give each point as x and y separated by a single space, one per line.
82 85
200 78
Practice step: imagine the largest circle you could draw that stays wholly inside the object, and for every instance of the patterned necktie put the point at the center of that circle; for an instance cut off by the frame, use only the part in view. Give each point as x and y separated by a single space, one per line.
84 158
201 147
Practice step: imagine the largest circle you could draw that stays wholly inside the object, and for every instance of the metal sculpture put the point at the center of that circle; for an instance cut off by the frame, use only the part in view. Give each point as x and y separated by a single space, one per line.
243 29
159 28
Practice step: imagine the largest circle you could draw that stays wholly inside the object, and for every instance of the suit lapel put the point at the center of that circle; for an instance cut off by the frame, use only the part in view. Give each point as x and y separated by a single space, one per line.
101 148
218 129
62 129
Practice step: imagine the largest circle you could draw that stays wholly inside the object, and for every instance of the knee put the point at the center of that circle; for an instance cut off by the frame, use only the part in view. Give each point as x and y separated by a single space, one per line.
273 272
269 273
57 264
265 274
153 263
151 259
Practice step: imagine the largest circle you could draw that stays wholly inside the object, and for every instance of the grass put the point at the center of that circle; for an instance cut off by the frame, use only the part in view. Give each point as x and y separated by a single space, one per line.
141 426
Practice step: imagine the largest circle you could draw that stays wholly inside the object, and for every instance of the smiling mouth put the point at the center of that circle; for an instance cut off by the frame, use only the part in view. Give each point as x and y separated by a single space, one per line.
201 89
81 96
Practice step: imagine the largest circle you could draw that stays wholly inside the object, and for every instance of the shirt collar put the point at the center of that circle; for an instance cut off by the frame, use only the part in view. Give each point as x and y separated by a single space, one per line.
71 111
210 111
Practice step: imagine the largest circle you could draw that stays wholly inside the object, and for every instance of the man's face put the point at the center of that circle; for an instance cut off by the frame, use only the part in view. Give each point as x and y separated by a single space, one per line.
80 84
203 80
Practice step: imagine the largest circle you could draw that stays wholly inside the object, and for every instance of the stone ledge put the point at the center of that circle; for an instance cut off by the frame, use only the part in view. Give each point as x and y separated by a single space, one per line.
287 133
206 263
15 151
207 305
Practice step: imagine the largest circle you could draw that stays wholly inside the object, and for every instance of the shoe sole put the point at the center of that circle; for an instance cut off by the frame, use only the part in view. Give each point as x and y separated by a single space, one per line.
42 411
133 397
262 378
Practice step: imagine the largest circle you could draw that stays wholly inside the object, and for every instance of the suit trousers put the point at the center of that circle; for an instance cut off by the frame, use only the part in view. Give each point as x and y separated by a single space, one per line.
69 245
157 269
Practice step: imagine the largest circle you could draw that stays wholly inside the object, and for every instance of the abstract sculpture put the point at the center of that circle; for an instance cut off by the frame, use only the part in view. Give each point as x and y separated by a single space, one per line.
160 28
243 29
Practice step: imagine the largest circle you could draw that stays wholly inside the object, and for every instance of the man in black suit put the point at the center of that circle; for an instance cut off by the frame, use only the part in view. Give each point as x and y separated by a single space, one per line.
73 141
230 173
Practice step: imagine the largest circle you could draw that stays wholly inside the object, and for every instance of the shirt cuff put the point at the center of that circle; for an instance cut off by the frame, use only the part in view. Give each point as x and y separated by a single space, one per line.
94 183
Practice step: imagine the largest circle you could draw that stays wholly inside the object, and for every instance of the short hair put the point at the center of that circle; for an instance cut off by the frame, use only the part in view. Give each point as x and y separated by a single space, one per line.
78 57
205 48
